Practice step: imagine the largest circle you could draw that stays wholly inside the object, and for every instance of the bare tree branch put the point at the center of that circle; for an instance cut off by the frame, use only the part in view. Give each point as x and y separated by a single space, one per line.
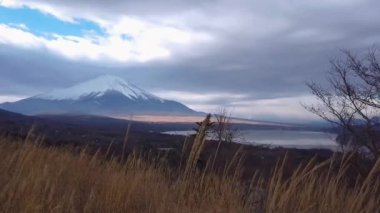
352 101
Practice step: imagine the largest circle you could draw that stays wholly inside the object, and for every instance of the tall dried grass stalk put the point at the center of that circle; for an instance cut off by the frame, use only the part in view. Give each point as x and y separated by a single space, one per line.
36 178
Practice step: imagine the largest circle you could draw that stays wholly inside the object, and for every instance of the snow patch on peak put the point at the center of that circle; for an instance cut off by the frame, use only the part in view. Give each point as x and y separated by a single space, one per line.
98 87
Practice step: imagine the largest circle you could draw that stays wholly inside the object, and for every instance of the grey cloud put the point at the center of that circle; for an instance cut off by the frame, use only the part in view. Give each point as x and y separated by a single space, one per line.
262 49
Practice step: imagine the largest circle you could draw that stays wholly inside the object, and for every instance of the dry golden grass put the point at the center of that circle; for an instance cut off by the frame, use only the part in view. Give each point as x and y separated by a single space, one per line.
34 178
40 179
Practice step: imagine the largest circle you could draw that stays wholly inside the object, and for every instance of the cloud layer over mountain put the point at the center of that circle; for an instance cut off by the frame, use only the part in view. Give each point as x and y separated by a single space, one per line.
251 56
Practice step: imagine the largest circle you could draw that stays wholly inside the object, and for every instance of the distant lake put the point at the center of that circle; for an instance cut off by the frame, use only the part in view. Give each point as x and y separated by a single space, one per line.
282 138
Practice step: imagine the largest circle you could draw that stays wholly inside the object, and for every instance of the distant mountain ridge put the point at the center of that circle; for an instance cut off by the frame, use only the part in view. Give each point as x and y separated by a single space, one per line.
105 95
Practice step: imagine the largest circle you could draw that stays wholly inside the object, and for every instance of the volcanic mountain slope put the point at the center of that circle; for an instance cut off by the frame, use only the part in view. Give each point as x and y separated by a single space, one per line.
106 95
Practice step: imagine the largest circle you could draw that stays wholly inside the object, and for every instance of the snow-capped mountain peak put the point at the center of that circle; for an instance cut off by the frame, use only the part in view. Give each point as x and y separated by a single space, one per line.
98 87
105 95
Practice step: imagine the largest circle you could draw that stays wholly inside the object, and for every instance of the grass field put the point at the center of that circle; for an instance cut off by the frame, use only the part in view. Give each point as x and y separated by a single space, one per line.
36 178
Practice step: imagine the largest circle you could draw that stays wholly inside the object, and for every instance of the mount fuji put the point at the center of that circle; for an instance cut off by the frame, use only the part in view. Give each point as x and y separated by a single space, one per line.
105 95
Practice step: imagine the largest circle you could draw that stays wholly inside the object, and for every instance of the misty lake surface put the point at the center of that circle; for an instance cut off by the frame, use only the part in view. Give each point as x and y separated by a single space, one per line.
282 138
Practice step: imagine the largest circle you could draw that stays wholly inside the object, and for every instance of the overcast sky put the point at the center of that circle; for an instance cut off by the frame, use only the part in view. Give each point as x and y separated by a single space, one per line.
251 56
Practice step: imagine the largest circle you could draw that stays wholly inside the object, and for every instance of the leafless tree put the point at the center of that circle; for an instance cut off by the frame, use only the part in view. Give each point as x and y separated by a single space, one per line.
351 100
223 130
